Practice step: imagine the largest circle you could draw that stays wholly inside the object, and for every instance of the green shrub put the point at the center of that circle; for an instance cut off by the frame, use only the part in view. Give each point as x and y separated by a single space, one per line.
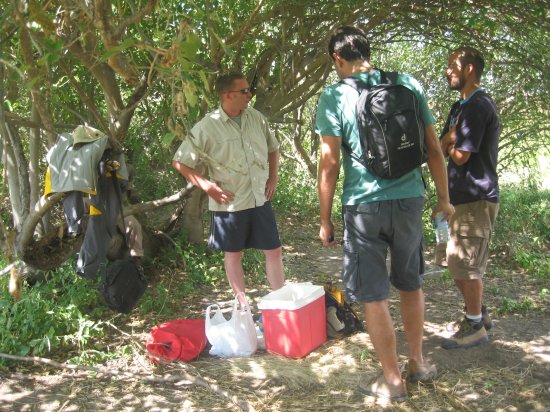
296 189
93 357
155 299
509 305
204 266
59 311
522 230
200 264
254 263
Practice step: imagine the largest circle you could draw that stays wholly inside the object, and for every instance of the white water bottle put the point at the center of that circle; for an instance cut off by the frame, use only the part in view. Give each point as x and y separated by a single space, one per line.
441 229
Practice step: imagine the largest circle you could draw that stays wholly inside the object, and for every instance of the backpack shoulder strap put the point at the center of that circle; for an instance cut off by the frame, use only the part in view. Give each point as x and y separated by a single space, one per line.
116 184
392 77
383 76
355 83
348 150
359 86
388 77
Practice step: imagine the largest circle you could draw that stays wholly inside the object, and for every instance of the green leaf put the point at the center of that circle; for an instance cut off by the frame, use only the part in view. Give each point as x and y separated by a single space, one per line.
23 350
226 49
126 44
204 79
190 94
190 46
168 138
51 58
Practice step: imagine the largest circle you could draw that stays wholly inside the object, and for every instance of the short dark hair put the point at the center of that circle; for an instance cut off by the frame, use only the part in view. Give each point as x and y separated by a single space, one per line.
225 81
468 55
350 43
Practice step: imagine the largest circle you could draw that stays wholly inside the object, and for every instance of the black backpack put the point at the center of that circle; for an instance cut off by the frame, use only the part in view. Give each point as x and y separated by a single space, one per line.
391 129
122 285
348 319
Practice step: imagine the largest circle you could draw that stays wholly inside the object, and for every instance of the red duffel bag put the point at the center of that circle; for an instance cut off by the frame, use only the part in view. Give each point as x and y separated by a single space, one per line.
179 339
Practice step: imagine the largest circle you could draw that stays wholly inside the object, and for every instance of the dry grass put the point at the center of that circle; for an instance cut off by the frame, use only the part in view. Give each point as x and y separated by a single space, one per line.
511 373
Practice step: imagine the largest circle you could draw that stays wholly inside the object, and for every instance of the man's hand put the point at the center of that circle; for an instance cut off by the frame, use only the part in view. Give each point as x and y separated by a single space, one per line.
449 139
270 188
218 194
210 188
329 167
445 207
326 234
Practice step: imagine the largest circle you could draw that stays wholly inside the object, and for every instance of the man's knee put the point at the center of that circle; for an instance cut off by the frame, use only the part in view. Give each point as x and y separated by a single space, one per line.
381 304
273 253
232 256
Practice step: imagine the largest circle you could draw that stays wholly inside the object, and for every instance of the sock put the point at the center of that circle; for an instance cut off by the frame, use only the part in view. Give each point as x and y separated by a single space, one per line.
483 309
475 319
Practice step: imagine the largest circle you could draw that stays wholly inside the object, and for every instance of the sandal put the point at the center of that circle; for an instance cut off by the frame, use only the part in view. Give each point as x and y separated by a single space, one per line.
379 388
424 372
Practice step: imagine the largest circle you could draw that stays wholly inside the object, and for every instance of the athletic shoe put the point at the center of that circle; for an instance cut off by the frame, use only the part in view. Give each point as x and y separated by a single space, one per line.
485 318
470 334
420 372
379 388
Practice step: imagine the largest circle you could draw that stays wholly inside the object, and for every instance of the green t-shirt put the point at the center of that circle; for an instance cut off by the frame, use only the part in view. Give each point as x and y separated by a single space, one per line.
336 117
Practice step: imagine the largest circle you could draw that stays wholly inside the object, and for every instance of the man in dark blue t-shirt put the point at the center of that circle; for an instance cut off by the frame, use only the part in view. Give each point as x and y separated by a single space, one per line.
470 140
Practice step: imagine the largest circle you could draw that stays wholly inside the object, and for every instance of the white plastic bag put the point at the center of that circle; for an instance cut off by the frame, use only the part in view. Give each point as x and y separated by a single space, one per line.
233 337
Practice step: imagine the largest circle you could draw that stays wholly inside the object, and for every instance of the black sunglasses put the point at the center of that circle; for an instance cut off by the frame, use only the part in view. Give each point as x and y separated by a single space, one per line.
246 90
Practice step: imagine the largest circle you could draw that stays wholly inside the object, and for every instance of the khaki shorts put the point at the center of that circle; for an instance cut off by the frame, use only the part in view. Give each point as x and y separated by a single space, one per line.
468 248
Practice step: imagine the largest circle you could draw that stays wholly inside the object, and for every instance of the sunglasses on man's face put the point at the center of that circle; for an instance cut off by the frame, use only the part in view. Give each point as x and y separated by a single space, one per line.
246 90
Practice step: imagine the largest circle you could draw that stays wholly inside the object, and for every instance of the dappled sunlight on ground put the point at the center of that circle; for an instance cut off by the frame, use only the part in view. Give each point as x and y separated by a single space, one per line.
510 373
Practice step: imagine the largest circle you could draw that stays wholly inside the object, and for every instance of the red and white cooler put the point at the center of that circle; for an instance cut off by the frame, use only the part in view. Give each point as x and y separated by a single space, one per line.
294 319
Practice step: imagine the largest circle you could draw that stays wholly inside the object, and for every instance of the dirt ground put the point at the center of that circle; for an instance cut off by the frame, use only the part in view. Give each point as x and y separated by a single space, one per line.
510 373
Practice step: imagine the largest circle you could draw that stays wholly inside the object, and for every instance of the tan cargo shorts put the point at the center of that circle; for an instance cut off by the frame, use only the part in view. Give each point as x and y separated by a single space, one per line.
468 248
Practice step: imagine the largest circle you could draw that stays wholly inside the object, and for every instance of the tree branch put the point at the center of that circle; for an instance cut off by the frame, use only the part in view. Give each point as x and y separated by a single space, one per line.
89 104
153 204
26 49
237 38
40 209
136 18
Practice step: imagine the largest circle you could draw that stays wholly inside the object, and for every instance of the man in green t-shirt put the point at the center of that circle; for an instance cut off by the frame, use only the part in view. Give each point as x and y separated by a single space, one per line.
378 214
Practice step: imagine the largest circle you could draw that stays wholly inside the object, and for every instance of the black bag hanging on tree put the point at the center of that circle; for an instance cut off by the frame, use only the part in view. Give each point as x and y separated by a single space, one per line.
122 282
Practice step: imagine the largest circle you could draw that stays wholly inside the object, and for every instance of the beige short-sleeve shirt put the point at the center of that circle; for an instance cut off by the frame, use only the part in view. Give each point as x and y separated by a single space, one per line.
236 156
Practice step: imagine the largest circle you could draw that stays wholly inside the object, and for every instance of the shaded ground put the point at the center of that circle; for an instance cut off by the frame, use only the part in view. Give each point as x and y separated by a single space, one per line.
511 373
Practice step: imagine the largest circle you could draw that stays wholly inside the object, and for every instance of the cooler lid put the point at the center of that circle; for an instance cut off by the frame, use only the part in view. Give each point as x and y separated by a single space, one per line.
292 296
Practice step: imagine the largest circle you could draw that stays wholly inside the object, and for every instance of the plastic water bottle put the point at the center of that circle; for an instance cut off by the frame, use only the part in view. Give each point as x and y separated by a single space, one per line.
441 229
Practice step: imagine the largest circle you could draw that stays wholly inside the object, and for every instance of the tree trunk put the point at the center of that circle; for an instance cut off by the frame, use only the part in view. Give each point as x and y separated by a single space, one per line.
192 216
13 184
34 171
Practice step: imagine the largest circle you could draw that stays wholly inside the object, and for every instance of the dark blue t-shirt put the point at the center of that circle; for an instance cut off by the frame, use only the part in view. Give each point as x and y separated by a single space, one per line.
477 132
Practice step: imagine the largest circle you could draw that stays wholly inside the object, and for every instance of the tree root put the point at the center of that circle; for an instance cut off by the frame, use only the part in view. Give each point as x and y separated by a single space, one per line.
182 379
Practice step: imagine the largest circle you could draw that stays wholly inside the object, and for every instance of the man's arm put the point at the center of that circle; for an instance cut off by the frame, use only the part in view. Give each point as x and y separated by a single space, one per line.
271 184
438 170
211 188
329 168
459 156
448 141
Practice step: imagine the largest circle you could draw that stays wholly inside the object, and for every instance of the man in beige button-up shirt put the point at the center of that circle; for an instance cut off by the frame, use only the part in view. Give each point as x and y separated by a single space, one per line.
242 157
